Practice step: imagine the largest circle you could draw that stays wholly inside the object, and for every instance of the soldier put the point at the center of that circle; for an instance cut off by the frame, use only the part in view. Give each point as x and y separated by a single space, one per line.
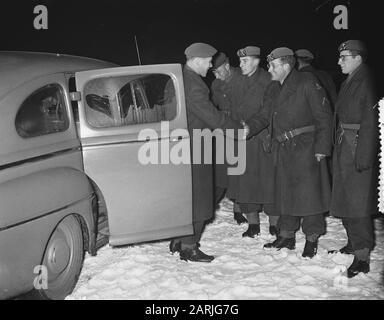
355 161
201 114
254 189
222 91
304 64
300 120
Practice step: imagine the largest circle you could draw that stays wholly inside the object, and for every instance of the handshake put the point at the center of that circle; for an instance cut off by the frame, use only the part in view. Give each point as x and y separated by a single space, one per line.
246 130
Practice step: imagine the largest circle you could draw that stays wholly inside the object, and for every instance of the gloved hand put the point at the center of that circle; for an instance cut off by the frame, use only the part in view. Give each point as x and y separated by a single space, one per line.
246 130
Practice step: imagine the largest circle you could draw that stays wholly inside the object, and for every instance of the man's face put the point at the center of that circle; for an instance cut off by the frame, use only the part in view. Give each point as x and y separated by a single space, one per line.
222 72
347 62
277 70
203 64
249 65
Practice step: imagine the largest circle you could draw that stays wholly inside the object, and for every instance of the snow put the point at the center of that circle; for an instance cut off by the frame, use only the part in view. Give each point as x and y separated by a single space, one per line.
242 268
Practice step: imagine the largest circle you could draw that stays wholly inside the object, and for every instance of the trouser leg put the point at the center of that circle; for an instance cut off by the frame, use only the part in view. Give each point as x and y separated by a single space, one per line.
236 207
269 211
288 226
191 241
273 220
313 226
251 211
361 236
253 217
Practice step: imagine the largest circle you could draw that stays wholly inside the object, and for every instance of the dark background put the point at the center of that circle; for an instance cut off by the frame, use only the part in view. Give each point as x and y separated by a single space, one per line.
164 28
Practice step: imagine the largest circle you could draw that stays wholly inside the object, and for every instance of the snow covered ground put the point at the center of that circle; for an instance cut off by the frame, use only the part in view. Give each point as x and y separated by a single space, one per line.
242 268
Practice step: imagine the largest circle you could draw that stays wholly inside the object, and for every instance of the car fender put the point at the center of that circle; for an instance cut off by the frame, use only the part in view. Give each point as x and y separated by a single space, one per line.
32 206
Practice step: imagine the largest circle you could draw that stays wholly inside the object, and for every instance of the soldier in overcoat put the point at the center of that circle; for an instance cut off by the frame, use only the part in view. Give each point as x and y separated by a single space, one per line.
222 95
201 114
355 159
300 119
253 190
304 64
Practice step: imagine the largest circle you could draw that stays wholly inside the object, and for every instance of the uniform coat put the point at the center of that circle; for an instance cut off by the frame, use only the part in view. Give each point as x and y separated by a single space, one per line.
302 184
325 80
222 94
202 114
355 192
222 91
256 184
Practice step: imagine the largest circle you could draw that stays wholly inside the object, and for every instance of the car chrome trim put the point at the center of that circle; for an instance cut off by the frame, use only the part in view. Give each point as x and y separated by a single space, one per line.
90 197
132 141
39 158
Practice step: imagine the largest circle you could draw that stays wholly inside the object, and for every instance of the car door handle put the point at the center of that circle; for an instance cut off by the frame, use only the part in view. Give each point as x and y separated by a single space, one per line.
175 139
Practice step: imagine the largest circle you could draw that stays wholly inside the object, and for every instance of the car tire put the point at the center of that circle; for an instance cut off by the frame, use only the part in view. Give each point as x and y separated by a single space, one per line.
63 260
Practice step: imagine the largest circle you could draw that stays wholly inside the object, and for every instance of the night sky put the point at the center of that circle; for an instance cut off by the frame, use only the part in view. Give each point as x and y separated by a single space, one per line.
107 29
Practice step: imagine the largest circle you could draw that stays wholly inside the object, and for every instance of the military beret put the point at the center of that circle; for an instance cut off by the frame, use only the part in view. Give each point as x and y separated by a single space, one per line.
304 53
200 50
354 45
278 53
219 60
249 51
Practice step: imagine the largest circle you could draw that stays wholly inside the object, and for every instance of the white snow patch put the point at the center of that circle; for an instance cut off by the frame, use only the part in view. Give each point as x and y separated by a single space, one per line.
242 268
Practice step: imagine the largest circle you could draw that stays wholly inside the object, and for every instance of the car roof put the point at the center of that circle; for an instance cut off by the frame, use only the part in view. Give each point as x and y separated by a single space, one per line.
17 67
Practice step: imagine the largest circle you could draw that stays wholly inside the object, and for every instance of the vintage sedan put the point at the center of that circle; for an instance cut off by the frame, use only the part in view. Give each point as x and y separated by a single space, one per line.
71 135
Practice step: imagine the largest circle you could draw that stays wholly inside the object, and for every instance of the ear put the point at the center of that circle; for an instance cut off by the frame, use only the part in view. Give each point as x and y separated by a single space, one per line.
198 61
286 67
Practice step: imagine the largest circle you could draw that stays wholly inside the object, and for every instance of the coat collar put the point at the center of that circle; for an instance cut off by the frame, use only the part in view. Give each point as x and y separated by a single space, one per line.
289 86
188 72
361 72
255 75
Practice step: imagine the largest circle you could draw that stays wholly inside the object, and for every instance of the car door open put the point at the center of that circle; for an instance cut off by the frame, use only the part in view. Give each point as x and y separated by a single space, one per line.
133 129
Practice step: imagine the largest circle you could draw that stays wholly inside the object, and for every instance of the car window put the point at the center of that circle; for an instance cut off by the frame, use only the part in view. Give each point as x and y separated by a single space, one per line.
129 100
43 112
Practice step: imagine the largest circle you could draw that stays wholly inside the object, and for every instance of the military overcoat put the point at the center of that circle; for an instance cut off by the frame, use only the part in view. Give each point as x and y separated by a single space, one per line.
355 159
222 93
202 114
302 184
326 81
256 184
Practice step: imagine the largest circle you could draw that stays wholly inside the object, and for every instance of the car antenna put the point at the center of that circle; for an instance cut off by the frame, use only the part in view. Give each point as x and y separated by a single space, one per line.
137 50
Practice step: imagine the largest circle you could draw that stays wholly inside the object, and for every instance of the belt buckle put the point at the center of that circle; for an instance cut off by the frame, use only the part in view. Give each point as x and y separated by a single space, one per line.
288 135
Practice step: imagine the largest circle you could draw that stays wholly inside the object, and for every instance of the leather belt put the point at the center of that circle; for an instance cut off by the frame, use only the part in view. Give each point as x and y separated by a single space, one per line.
346 126
295 132
350 126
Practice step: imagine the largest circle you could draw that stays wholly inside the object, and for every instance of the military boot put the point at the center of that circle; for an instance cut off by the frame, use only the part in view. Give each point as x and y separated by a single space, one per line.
273 230
195 254
253 229
310 249
280 242
356 267
174 246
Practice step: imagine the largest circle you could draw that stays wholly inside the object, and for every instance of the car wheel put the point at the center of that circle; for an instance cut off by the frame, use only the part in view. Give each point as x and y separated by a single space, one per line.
63 259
